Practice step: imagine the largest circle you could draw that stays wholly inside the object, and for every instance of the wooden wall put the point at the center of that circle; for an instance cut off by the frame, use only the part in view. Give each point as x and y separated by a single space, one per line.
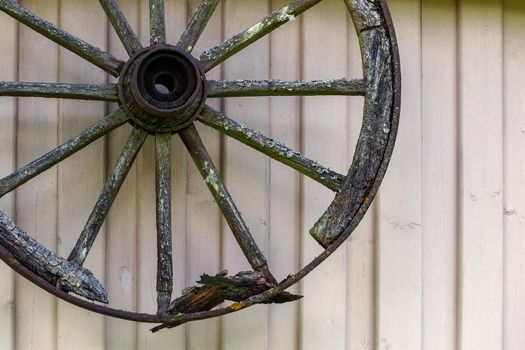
439 261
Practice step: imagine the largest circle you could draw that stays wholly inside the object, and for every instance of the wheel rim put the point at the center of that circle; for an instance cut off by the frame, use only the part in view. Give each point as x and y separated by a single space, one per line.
153 103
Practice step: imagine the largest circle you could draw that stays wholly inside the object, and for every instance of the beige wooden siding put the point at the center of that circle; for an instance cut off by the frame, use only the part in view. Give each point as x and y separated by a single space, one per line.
437 264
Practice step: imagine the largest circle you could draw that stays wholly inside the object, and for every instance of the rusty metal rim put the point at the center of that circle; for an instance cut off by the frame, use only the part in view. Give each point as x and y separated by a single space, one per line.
177 320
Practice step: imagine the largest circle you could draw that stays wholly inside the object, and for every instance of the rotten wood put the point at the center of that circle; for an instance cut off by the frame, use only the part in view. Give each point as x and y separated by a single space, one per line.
90 231
246 88
87 51
157 22
198 22
391 52
120 24
216 289
163 210
96 92
49 266
215 55
271 148
373 140
73 145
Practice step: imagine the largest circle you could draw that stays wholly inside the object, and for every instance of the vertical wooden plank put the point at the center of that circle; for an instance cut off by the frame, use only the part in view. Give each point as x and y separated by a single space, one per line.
203 215
245 171
121 225
285 205
399 246
8 72
80 177
514 241
481 176
324 55
37 200
176 13
361 247
440 173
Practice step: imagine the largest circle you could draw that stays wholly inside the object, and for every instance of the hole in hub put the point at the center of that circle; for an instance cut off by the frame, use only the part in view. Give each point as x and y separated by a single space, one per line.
166 78
164 83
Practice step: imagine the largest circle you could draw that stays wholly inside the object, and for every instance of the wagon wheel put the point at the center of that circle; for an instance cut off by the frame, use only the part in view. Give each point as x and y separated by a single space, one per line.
161 92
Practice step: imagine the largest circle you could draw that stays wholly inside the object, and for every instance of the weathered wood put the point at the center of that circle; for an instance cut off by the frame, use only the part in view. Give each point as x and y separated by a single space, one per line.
87 237
271 148
213 180
157 22
365 13
73 145
120 23
164 242
243 88
97 92
216 289
375 134
386 154
197 24
47 264
215 55
87 51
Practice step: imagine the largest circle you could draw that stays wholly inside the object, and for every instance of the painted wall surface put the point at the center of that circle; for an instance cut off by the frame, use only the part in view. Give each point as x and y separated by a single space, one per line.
437 264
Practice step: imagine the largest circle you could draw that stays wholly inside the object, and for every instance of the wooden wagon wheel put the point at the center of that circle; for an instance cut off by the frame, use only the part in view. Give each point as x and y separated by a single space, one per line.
161 92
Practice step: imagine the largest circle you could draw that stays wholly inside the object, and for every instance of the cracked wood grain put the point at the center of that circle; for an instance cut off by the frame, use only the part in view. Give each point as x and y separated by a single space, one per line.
48 265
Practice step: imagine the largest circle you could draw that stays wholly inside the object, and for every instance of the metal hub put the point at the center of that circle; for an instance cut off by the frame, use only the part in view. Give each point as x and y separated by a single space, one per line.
162 88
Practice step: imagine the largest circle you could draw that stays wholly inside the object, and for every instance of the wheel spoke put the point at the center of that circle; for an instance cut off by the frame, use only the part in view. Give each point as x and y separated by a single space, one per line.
87 51
84 243
243 88
157 22
99 92
197 24
63 151
271 148
213 180
164 242
215 55
124 31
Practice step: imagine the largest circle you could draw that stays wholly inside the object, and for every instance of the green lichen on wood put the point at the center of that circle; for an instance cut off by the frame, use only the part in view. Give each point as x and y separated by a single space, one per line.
87 51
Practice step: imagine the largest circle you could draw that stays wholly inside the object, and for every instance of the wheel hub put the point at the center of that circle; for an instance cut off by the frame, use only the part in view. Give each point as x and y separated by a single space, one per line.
162 88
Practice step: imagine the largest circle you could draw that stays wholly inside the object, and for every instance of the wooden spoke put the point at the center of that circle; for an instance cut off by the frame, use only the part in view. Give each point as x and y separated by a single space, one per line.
87 51
197 24
246 88
157 22
63 151
49 266
215 55
164 243
271 148
99 92
120 23
84 243
213 180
